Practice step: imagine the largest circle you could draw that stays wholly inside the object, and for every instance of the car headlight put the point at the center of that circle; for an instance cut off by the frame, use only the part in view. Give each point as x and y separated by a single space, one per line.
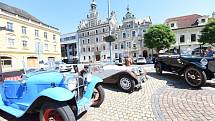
204 61
135 70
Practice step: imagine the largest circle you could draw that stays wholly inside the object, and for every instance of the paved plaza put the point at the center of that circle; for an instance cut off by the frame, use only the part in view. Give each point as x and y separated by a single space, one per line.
162 98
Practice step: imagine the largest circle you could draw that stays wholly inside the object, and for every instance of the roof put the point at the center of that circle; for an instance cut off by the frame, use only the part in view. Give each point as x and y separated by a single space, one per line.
185 21
20 13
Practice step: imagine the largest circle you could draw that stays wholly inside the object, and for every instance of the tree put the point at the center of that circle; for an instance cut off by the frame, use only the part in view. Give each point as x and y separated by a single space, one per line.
110 38
208 33
159 37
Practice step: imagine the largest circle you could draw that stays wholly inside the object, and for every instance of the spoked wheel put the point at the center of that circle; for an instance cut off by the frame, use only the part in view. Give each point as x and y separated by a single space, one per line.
98 96
126 83
56 112
195 77
158 69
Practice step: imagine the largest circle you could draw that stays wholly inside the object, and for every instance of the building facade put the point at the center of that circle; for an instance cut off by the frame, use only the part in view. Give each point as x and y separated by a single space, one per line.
69 47
188 29
25 40
129 36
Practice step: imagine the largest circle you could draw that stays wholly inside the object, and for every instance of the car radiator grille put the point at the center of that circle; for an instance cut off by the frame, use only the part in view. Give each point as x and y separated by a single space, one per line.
211 66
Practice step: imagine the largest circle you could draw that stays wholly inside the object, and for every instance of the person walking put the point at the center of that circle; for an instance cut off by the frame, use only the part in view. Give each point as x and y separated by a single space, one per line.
210 52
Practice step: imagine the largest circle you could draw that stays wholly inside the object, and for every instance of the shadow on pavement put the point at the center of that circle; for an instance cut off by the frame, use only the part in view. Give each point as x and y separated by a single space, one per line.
176 81
27 117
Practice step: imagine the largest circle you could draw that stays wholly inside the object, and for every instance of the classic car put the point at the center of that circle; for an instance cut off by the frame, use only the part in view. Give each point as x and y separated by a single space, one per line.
56 96
195 69
128 78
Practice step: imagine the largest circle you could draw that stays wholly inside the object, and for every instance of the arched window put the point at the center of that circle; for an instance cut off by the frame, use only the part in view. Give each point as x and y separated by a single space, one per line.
6 61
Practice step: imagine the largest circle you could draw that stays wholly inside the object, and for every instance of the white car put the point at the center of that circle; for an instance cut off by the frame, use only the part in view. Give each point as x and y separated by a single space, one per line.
141 60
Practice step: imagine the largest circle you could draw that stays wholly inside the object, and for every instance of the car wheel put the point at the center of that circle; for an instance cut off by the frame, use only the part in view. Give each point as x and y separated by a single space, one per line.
98 96
158 69
126 83
195 77
56 112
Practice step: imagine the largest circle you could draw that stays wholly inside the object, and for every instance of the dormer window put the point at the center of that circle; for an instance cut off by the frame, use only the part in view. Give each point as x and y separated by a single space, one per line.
172 25
202 20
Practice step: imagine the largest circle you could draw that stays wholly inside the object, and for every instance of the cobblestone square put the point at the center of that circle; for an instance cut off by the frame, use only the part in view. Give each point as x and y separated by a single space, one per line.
162 98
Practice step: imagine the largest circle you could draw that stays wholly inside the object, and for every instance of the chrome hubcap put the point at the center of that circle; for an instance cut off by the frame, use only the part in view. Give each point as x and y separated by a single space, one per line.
125 83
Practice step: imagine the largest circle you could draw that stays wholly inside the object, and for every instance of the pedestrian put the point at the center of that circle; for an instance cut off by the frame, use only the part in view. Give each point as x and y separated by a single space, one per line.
210 52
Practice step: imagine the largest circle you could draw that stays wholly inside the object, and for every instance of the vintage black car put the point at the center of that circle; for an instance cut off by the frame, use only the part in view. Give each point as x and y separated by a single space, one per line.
195 69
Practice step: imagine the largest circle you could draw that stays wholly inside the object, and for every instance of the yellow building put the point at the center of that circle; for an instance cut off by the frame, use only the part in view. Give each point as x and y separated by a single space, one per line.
25 39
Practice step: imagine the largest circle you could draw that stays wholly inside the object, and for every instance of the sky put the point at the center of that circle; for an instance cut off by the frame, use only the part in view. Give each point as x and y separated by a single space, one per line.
67 14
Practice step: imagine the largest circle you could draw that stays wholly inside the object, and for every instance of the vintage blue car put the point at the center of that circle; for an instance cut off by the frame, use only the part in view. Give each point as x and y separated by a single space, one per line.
56 96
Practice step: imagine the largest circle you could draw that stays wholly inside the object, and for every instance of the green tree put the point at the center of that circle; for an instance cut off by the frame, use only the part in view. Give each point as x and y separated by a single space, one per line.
208 33
110 38
159 37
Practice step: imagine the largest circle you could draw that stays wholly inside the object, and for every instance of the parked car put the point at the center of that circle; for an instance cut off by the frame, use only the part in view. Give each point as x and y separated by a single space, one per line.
56 96
126 77
141 60
195 69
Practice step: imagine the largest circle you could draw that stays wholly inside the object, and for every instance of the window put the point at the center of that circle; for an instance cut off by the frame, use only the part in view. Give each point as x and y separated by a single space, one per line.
88 49
104 56
54 37
116 55
88 33
116 46
172 24
104 47
55 47
24 43
82 34
24 30
193 37
203 20
182 39
88 40
124 35
37 33
134 45
46 47
9 26
96 31
11 42
97 49
133 33
97 40
45 35
84 50
89 58
135 55
6 61
84 58
122 46
103 30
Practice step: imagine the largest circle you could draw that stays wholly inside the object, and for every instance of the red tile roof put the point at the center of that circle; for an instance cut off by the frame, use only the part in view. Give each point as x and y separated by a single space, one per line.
184 21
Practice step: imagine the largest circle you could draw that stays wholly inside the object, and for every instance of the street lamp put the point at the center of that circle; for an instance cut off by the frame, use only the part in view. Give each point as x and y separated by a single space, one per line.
109 31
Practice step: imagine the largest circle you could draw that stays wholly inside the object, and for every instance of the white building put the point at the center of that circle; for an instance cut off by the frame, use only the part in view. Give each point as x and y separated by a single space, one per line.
69 46
129 36
188 29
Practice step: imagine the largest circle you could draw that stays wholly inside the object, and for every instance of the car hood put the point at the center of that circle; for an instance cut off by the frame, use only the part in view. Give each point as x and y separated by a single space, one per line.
45 78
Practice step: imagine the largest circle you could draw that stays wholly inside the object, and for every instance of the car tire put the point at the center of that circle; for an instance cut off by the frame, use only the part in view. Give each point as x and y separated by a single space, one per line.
158 69
126 83
98 91
56 111
192 75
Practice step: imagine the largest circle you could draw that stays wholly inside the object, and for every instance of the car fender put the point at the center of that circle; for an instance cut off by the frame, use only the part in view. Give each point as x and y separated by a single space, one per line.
90 87
58 94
